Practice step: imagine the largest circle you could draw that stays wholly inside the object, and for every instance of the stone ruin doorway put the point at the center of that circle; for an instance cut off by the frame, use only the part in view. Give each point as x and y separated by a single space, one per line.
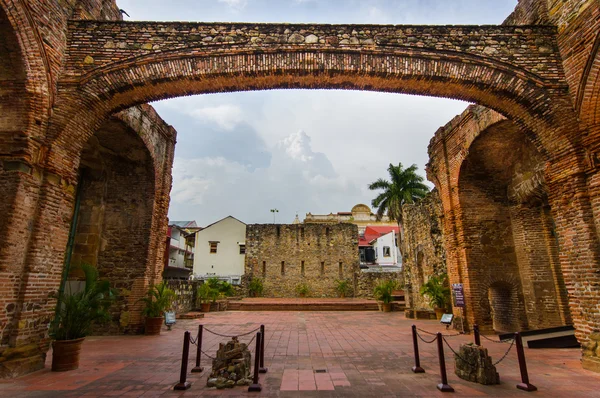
116 190
512 252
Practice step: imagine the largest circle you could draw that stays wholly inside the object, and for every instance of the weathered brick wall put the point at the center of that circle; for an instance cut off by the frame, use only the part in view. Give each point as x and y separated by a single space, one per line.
423 247
312 254
366 282
123 166
185 294
505 252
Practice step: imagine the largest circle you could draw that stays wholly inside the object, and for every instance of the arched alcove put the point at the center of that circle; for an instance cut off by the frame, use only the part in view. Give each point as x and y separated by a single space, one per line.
114 221
508 233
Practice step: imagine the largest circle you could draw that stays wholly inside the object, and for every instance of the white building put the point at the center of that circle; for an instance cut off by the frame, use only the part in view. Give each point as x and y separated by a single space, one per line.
221 250
386 250
181 243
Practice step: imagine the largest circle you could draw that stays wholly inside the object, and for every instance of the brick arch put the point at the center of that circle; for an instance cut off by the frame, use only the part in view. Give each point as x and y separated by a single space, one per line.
120 220
37 79
502 175
587 103
131 63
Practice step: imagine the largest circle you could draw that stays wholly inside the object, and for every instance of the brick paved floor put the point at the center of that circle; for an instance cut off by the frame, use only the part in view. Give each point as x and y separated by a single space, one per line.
364 354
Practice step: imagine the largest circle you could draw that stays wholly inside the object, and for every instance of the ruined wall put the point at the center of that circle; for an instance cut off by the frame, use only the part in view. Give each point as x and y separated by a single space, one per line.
366 281
185 294
500 234
120 201
423 247
284 256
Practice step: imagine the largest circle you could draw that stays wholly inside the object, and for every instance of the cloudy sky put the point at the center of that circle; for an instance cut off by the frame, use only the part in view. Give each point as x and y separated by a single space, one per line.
299 151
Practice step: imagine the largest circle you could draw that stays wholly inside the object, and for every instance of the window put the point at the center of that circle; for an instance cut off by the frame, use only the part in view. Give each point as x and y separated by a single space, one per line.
242 249
264 270
341 269
386 251
213 246
322 268
283 268
302 268
302 232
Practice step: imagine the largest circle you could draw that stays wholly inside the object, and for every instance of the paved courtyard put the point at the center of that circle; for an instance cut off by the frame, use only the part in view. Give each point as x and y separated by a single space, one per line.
363 354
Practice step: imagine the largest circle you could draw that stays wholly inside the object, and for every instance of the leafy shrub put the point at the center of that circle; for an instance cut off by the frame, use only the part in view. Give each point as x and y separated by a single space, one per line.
77 312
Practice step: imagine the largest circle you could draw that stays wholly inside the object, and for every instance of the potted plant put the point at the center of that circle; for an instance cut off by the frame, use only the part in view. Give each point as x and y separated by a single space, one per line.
437 293
75 315
255 287
206 295
341 287
302 289
383 293
158 299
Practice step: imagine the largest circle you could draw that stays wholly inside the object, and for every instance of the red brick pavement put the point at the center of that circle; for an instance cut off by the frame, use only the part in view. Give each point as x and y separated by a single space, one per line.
364 354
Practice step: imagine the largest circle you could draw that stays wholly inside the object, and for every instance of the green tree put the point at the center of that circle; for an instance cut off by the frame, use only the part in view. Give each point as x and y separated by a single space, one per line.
405 187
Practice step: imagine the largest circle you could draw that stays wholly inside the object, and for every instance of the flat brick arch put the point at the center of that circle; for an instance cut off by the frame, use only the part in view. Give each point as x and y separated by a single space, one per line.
114 65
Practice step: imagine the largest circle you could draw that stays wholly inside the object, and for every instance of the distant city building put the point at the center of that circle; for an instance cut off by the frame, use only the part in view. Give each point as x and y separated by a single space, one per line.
378 246
360 215
220 251
181 237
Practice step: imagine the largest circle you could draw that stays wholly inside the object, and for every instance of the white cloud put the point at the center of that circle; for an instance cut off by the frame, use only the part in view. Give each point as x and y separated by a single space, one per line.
225 116
235 5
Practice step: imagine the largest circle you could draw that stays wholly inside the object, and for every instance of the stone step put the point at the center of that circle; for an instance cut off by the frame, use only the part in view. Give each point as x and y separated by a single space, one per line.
191 315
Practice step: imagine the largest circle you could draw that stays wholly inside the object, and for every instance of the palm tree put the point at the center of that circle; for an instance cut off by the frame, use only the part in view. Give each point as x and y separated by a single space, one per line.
406 187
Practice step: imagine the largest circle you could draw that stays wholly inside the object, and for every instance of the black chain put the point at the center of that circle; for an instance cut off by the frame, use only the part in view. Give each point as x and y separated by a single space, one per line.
193 340
211 357
473 365
425 341
231 336
499 341
435 334
506 353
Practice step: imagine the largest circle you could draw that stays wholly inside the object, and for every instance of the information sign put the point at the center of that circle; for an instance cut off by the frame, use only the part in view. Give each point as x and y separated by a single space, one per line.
459 296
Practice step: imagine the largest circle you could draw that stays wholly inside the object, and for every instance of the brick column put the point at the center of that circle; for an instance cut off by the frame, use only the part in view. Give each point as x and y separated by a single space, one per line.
579 251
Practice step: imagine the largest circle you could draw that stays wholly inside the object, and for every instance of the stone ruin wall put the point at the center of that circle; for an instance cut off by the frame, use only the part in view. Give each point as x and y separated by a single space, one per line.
321 248
424 253
366 282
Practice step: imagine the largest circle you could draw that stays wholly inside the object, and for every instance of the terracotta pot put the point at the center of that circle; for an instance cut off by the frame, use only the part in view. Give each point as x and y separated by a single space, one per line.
65 354
205 307
439 312
153 326
386 307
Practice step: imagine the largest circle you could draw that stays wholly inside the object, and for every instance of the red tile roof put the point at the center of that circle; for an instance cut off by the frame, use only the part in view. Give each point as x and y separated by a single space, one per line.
372 232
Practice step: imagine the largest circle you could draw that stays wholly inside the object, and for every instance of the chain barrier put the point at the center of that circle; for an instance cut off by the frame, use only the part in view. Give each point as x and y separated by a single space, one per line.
473 365
209 356
249 344
231 336
511 342
435 334
506 353
425 341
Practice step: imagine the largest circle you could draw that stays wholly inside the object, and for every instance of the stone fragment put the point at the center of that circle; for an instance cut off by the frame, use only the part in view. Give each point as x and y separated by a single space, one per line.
311 39
296 38
474 364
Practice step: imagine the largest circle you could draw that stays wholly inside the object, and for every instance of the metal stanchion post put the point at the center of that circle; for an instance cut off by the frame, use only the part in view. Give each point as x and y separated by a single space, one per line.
183 384
524 385
255 386
198 368
443 386
417 368
262 368
476 334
